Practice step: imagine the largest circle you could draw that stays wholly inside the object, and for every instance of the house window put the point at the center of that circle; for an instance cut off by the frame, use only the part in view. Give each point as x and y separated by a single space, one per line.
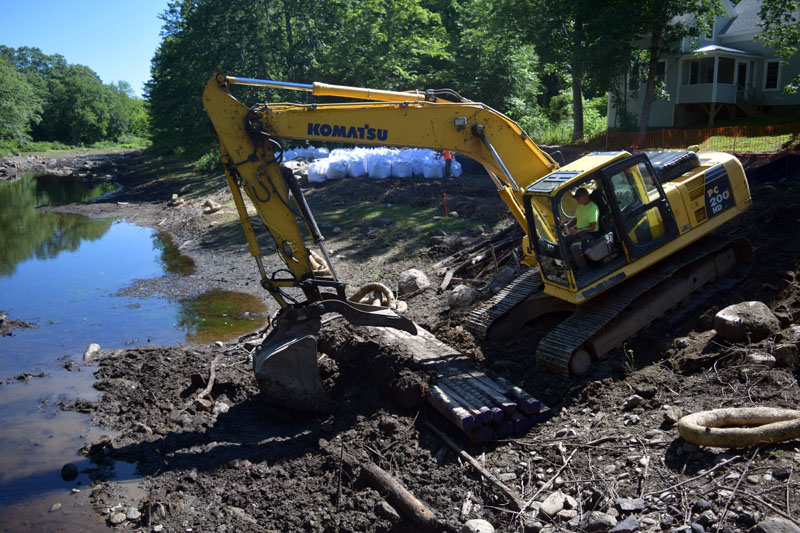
725 70
661 70
771 81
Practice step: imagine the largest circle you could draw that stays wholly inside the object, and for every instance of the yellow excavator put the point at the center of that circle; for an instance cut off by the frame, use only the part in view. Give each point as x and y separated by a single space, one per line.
651 246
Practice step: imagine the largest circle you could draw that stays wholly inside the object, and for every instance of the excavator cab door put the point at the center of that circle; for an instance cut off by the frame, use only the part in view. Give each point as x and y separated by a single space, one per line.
641 212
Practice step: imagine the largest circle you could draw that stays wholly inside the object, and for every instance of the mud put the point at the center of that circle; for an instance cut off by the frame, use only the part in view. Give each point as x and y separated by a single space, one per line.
225 461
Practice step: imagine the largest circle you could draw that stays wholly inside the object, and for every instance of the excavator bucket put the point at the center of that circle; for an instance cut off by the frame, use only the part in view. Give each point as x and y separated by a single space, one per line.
286 362
286 367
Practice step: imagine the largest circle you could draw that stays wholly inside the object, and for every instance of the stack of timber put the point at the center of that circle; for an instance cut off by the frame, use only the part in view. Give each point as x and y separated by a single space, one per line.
485 408
478 263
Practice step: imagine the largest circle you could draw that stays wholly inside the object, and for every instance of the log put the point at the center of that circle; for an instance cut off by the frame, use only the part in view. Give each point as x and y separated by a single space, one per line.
396 493
451 410
491 478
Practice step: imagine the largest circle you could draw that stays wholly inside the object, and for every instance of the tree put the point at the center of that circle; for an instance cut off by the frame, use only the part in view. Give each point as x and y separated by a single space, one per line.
664 24
20 105
780 23
78 108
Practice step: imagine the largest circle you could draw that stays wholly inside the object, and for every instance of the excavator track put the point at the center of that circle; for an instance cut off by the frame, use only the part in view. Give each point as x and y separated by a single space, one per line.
557 348
481 318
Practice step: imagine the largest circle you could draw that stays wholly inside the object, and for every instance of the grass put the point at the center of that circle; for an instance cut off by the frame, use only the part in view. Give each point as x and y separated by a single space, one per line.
407 219
9 147
762 144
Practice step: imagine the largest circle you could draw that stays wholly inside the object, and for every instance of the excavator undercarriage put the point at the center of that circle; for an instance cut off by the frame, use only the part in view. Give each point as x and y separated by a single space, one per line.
593 329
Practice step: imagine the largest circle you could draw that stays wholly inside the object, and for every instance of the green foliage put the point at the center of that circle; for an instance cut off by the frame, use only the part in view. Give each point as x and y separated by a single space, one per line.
79 108
781 31
555 124
209 163
20 105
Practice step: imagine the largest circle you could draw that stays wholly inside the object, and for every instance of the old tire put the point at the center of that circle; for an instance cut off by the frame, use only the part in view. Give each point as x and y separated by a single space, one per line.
740 427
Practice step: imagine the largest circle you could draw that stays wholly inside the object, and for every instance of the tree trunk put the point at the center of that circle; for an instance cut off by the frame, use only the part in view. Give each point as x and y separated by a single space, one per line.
644 118
577 82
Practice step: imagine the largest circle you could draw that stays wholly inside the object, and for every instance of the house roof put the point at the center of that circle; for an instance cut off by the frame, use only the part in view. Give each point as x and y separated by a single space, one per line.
715 50
746 19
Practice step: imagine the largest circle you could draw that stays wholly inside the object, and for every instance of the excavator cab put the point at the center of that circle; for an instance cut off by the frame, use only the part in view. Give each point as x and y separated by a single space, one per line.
633 219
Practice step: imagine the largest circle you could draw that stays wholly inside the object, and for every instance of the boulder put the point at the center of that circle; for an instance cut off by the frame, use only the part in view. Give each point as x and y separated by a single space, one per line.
477 526
92 349
412 280
776 525
786 355
461 296
746 321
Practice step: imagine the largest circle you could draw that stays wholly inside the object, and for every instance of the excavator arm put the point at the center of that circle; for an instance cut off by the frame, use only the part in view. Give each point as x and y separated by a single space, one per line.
249 137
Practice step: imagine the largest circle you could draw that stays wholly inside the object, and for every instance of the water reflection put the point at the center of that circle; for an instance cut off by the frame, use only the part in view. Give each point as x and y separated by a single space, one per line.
221 315
31 233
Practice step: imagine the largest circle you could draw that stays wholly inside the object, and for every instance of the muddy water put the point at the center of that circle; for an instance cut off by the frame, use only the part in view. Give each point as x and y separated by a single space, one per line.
66 274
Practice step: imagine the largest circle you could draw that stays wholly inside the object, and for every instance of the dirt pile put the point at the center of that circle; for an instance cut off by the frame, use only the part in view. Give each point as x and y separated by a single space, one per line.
212 456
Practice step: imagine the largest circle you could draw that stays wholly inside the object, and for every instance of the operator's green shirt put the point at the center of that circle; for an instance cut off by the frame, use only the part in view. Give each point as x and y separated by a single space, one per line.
585 215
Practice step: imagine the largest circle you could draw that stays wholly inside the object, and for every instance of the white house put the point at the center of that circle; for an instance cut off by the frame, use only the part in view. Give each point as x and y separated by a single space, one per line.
726 74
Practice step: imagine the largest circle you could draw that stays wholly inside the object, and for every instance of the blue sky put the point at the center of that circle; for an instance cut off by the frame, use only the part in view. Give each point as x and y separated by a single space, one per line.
114 38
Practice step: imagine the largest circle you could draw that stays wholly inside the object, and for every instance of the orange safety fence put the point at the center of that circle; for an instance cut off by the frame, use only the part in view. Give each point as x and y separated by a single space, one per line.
755 139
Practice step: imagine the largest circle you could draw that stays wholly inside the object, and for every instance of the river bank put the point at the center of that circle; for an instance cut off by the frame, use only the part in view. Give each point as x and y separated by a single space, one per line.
212 458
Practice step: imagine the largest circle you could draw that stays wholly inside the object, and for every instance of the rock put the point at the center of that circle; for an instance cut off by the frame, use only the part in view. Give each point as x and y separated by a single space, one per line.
565 515
698 528
786 355
628 505
707 518
203 404
412 280
745 321
790 334
701 506
158 528
673 414
117 518
646 391
55 507
565 432
211 206
632 402
387 512
784 315
90 351
69 472
505 276
220 408
776 525
477 526
132 513
461 296
782 473
553 504
629 525
760 358
599 522
666 522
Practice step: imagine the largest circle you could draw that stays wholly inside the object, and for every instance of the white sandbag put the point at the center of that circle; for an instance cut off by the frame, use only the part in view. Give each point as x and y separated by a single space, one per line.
401 168
356 167
380 167
321 153
317 171
290 154
433 168
455 168
337 169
